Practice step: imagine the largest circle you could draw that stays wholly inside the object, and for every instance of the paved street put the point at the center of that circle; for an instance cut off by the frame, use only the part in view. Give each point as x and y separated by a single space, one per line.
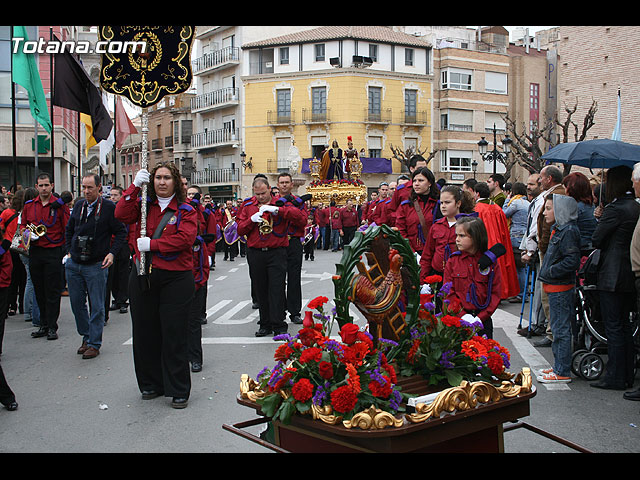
68 404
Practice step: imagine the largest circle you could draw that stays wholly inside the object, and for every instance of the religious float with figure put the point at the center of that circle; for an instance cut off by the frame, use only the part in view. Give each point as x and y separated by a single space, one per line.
336 177
414 379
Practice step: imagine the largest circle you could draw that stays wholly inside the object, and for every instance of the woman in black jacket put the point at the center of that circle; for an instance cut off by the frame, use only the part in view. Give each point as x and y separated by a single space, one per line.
615 278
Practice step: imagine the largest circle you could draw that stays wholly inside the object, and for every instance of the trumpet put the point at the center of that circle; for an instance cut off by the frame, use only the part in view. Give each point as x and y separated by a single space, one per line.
266 226
39 230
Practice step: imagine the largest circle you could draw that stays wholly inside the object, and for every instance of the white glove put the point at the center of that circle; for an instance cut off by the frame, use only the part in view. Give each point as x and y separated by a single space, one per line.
269 208
142 177
144 244
256 217
467 317
34 236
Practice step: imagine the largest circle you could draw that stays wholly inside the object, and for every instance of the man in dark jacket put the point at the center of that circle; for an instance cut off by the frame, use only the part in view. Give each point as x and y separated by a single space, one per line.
91 252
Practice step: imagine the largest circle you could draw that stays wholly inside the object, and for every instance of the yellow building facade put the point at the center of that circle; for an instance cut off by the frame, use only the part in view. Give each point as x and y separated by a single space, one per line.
269 133
385 102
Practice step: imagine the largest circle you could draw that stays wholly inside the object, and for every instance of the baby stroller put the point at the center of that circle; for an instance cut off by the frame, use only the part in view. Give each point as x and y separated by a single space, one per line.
590 342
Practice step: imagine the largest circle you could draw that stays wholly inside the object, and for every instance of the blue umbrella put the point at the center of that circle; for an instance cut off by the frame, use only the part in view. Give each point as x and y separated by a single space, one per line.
598 153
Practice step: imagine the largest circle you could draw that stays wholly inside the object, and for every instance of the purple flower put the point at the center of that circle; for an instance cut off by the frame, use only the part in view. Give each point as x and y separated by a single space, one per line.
446 357
283 336
429 306
445 289
395 399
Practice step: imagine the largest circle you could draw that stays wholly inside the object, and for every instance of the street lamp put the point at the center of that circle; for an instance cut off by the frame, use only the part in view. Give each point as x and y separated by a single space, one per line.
494 155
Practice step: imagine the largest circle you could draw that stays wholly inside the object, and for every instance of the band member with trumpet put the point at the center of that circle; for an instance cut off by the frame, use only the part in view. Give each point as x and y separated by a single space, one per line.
266 227
295 248
46 217
160 297
228 224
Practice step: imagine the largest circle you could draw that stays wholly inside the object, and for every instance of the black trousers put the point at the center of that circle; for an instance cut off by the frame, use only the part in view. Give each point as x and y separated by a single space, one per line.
118 281
6 394
294 272
309 249
18 282
195 324
4 308
231 251
47 273
615 308
160 330
268 268
349 233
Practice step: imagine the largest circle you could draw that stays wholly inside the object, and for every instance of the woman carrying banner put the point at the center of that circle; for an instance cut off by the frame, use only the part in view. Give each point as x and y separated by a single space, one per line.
160 297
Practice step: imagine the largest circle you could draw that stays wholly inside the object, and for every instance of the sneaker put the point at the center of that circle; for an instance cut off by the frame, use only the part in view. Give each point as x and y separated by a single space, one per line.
552 378
544 371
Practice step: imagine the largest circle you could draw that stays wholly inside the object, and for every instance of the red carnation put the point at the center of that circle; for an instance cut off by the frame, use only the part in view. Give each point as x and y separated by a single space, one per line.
433 279
302 390
326 370
317 302
311 354
343 399
379 390
454 304
450 321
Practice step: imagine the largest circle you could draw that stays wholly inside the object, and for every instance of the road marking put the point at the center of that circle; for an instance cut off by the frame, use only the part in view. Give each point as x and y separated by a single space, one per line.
220 278
233 270
216 307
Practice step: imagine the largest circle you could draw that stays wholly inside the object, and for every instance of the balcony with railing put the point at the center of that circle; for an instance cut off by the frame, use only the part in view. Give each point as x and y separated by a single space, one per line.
312 117
281 118
382 116
215 138
216 60
221 98
223 176
418 119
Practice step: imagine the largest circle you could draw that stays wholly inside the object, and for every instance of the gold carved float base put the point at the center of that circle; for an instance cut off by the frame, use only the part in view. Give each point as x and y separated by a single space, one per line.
466 396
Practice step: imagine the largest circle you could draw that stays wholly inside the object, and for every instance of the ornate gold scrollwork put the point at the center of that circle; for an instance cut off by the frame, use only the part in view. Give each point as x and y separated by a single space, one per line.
373 419
469 395
466 396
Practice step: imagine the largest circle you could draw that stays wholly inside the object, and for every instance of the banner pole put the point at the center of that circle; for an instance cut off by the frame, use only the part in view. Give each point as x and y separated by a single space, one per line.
143 200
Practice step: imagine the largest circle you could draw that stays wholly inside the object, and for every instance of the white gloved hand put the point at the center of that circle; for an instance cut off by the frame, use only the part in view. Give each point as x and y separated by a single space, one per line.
142 177
256 217
467 317
34 236
269 208
144 244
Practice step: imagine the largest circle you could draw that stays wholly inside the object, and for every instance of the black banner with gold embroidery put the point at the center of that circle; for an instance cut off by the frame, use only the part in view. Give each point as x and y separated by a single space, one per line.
146 75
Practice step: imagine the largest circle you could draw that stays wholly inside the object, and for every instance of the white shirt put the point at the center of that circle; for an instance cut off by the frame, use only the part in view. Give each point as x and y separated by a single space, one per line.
164 202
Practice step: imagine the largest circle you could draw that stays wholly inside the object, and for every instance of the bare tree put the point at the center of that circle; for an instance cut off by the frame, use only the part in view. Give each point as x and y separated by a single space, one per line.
404 156
527 149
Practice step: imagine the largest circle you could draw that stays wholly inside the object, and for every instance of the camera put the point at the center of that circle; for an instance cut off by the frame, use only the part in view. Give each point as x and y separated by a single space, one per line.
85 243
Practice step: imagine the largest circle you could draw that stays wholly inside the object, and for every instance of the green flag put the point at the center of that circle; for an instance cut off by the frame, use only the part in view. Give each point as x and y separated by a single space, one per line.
25 73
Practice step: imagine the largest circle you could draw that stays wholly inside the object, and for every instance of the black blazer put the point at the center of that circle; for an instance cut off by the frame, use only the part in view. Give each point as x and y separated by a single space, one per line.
613 237
109 234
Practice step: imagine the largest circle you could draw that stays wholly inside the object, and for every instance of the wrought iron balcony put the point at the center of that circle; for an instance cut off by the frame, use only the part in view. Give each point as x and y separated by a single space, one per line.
309 116
216 99
415 118
215 138
381 116
281 118
215 176
217 59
